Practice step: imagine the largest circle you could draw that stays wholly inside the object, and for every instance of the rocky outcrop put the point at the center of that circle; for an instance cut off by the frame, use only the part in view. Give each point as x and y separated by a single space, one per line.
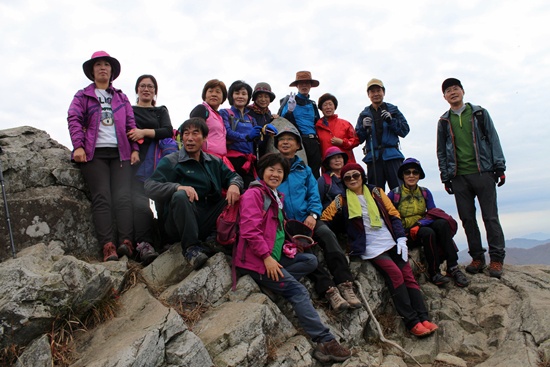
46 194
491 323
174 316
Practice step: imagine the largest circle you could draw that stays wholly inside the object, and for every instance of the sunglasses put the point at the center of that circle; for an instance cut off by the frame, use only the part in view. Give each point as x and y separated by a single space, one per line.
413 172
355 176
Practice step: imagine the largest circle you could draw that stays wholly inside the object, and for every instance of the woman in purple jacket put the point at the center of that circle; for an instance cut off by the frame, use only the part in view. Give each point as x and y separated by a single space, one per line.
99 118
262 253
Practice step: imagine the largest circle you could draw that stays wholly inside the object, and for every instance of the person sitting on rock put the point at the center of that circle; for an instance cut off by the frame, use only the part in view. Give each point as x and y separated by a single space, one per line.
304 205
375 233
263 254
425 227
189 184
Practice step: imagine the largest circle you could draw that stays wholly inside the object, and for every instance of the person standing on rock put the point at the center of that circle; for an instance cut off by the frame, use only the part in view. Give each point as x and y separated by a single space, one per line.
153 125
188 186
99 118
380 125
263 254
472 164
303 114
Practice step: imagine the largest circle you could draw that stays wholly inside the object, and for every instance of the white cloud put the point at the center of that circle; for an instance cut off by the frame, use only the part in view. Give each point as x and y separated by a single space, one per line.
497 49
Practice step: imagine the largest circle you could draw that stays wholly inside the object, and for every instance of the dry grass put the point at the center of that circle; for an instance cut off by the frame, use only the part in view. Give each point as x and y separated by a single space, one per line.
9 355
191 314
543 361
67 324
271 346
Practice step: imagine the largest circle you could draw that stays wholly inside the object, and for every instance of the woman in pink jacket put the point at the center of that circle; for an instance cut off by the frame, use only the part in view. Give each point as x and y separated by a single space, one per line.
99 118
262 253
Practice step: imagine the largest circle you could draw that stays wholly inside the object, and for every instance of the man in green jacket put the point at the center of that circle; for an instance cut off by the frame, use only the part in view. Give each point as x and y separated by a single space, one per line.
189 186
472 164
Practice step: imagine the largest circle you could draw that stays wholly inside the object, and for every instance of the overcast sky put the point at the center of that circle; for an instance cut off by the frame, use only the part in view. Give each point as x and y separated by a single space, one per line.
498 49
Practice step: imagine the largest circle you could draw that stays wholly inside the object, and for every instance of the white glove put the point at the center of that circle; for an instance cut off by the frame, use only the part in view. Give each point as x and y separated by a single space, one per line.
402 248
386 116
291 102
367 122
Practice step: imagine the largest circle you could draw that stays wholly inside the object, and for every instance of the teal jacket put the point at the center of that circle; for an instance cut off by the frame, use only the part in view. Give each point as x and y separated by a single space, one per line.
301 192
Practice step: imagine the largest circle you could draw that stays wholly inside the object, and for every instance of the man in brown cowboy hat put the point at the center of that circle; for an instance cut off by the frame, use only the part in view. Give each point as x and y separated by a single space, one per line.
302 112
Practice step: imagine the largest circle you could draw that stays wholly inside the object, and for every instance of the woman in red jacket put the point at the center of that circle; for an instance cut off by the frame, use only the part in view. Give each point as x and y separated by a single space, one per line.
334 131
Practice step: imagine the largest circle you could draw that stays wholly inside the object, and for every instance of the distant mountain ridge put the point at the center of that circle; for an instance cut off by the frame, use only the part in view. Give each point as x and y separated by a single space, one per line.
520 251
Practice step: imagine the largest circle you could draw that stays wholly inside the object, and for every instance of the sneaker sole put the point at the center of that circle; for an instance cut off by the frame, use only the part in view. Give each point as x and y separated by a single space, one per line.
111 258
199 262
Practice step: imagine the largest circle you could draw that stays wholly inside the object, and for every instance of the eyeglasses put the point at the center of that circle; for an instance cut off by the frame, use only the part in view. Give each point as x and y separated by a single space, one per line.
413 172
147 86
355 176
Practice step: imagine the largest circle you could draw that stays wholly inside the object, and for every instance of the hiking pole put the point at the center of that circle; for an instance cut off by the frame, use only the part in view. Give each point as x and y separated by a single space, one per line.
373 160
8 222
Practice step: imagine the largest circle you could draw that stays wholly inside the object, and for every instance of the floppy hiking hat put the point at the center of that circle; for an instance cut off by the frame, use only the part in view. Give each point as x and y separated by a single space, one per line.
88 66
304 76
331 152
408 163
263 87
300 234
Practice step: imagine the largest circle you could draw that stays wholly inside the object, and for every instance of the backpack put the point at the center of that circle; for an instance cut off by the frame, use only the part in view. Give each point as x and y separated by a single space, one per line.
156 151
397 195
227 224
233 122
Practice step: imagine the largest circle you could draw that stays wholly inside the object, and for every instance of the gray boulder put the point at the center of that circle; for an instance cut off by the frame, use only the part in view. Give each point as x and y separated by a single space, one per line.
42 284
46 194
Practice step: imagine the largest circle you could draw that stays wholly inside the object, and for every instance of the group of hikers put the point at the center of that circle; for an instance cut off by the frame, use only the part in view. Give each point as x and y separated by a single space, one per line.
249 157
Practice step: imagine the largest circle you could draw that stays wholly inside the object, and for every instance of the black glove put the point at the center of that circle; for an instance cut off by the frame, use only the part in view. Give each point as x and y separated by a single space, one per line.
386 116
500 178
449 187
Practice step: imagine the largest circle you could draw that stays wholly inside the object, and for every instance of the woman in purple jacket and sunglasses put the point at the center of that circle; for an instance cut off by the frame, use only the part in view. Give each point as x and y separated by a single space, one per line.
99 118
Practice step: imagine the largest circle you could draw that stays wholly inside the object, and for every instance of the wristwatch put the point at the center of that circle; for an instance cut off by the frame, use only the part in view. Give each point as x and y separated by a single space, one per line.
315 216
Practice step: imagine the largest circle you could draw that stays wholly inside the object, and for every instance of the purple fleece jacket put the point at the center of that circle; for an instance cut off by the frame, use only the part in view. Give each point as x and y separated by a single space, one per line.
85 116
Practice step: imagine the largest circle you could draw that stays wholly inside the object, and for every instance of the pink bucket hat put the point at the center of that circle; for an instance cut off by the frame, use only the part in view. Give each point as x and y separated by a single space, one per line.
88 66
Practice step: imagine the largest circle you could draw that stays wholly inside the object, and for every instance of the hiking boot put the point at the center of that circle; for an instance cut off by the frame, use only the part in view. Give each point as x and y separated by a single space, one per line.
109 252
495 269
439 279
430 326
146 253
125 249
337 303
476 266
459 277
196 257
331 351
420 330
346 290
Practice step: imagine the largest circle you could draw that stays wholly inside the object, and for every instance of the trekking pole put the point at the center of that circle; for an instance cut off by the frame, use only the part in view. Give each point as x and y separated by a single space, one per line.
8 222
373 161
